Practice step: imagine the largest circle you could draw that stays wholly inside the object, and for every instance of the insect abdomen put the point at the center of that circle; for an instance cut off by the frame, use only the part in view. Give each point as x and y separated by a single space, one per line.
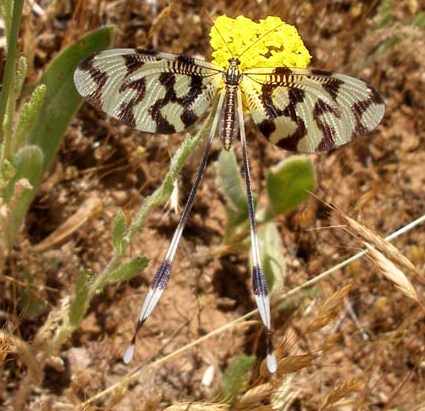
229 119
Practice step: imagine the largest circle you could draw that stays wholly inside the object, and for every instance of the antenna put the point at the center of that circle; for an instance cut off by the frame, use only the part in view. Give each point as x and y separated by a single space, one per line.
218 31
260 38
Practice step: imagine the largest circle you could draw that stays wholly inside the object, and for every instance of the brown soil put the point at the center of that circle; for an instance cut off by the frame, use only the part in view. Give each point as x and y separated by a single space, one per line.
378 180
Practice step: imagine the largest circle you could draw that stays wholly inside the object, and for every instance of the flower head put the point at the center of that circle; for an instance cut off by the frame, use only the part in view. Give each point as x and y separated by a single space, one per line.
269 43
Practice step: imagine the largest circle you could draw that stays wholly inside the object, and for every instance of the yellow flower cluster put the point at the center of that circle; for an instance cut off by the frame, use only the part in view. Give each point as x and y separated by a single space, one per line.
269 43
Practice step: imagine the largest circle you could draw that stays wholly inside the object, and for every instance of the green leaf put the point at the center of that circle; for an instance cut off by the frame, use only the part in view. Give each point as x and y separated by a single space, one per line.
28 114
230 181
271 258
6 10
127 271
289 184
80 302
28 165
118 233
7 171
232 187
62 100
58 106
21 74
12 18
236 376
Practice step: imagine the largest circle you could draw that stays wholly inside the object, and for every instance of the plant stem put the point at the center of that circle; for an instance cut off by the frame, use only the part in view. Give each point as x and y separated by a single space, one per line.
9 73
163 192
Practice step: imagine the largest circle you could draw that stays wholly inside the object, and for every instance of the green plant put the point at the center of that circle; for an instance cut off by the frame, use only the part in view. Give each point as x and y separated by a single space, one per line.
32 127
33 121
236 377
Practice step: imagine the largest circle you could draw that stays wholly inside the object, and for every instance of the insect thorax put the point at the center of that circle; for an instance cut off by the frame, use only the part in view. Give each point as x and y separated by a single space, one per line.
232 76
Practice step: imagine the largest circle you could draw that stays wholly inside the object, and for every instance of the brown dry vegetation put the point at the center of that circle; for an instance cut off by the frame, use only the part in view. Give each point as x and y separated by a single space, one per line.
103 166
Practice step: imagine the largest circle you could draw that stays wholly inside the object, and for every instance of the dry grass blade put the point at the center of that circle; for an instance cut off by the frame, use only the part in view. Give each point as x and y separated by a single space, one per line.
386 248
116 398
34 375
387 268
254 396
284 394
161 20
4 346
295 363
198 406
329 342
329 310
339 392
92 207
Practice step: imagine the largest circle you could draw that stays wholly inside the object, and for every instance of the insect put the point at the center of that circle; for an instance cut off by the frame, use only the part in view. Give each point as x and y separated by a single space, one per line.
300 110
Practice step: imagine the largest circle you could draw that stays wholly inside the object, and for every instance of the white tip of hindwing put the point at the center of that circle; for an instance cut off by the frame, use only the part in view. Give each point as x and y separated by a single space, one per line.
129 353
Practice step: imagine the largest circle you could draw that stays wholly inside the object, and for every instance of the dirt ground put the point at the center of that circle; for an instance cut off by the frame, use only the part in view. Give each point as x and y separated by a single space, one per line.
376 363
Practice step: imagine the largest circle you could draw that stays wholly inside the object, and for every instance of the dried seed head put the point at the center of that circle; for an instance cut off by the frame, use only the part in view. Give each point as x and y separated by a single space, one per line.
5 344
329 309
255 396
387 268
198 406
385 247
295 363
340 391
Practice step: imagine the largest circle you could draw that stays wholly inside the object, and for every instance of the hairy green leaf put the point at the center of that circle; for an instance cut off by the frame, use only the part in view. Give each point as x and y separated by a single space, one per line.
28 114
127 271
20 75
289 184
118 233
236 376
28 165
7 170
80 302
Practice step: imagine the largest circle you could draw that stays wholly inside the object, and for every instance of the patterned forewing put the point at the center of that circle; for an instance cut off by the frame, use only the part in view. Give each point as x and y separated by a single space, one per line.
310 110
149 91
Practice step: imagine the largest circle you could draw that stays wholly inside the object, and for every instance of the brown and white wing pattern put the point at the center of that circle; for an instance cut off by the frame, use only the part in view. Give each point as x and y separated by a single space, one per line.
150 91
307 111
